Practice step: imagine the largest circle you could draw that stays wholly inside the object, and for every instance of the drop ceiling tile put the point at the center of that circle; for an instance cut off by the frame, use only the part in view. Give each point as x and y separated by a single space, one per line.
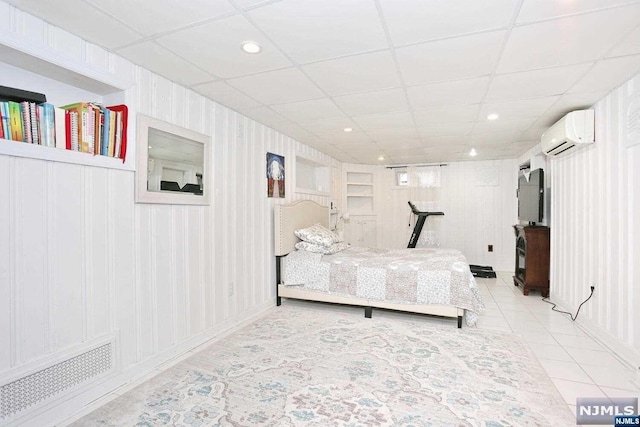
365 147
81 19
517 109
629 46
414 159
313 30
460 114
317 143
447 94
451 59
543 122
535 84
537 10
381 101
532 134
357 73
266 116
492 139
411 21
384 121
218 48
333 126
226 95
345 138
154 57
294 131
574 101
159 16
503 125
608 74
307 111
338 154
568 40
277 87
445 129
521 146
445 141
403 144
435 151
401 152
399 133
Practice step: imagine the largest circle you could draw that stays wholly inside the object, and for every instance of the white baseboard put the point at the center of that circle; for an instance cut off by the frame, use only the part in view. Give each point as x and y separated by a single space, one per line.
83 401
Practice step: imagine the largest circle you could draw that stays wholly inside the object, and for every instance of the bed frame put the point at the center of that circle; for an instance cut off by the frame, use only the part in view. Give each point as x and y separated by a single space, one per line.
305 213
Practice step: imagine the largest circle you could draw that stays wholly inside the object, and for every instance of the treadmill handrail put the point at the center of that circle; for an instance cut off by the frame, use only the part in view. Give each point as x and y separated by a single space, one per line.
422 213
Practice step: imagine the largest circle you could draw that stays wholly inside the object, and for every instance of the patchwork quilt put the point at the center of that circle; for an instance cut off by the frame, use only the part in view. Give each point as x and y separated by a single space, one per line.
405 276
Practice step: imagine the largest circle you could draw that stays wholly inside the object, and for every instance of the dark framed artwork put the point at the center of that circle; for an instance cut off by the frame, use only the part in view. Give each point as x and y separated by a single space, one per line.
275 176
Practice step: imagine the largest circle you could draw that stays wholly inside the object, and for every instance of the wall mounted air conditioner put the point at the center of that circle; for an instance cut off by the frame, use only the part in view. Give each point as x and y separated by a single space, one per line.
570 133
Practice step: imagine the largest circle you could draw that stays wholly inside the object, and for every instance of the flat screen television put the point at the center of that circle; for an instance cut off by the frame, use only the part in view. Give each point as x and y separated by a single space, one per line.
531 197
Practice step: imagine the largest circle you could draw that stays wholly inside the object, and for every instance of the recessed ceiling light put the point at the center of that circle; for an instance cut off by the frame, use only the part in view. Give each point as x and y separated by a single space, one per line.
381 158
348 129
150 147
492 116
251 47
473 152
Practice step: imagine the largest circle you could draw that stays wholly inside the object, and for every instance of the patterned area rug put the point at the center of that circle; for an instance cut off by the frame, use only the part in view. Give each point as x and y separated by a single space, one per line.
314 365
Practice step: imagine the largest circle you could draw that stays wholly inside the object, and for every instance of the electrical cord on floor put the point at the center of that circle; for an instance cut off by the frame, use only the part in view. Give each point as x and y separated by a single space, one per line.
545 299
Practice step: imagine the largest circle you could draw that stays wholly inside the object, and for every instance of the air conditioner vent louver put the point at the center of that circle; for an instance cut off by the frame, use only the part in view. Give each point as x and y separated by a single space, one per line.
46 383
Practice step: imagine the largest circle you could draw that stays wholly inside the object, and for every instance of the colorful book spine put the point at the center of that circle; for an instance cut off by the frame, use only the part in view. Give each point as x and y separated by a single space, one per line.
104 147
6 120
15 115
122 114
47 122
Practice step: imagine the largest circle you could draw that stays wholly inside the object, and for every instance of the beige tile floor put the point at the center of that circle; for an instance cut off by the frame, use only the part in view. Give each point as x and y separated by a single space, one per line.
578 364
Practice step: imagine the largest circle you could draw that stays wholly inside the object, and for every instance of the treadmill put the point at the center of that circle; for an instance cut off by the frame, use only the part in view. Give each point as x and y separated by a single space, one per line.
476 270
422 217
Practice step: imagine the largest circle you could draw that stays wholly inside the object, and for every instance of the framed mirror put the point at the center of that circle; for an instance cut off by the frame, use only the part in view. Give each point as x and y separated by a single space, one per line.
172 164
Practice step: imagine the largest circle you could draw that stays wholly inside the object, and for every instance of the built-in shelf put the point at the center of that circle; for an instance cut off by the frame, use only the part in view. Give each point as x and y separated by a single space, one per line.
22 149
64 81
312 177
359 192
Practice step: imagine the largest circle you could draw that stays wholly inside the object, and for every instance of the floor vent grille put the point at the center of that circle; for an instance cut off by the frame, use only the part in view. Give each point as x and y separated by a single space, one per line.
39 386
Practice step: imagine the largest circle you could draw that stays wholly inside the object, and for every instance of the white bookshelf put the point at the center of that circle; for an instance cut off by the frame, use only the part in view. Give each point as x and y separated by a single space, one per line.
63 81
360 192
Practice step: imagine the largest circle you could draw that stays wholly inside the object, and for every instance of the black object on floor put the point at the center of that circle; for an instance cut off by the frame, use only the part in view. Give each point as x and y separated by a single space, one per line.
482 271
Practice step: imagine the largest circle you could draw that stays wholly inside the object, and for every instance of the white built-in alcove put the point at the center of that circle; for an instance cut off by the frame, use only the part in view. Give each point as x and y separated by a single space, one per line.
312 177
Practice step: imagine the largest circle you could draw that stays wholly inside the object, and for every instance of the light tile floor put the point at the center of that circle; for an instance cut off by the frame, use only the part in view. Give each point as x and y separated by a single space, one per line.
577 363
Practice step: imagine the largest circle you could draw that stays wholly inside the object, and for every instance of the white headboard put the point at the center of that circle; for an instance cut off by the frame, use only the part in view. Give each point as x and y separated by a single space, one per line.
293 216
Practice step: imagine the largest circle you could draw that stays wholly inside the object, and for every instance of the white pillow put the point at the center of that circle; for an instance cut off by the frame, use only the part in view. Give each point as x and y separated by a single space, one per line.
320 249
319 235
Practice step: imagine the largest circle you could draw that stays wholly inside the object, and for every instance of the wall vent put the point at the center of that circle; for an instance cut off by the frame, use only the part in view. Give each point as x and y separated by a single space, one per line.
46 383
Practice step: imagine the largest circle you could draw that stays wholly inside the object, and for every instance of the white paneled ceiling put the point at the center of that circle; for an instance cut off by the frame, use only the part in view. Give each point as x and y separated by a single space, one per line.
413 79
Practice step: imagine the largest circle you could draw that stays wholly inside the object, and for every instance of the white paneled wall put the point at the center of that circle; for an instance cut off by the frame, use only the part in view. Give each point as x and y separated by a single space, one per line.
480 206
79 259
595 205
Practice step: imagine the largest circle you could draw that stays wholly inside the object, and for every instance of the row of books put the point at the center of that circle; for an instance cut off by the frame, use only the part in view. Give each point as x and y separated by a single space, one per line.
86 127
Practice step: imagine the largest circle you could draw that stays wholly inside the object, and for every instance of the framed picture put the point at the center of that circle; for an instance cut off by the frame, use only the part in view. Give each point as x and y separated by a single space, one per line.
275 176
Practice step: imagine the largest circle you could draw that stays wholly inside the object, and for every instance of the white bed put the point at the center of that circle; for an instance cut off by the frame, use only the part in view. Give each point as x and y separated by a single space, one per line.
304 213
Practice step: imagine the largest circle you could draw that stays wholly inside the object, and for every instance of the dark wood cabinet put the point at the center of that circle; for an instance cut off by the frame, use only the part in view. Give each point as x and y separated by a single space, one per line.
532 259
